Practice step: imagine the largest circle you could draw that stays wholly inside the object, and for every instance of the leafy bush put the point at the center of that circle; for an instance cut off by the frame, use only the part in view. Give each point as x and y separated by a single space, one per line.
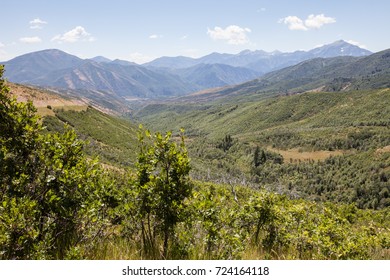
162 185
52 195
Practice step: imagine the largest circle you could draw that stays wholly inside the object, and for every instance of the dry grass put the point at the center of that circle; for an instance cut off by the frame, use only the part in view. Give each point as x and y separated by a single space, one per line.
298 155
43 99
114 249
45 111
383 150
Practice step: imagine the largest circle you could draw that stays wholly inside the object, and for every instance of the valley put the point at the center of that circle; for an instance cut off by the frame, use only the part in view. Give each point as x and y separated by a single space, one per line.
288 161
311 129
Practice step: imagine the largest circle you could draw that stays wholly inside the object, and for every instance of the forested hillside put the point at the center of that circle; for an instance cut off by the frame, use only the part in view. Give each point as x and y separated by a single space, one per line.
112 139
324 146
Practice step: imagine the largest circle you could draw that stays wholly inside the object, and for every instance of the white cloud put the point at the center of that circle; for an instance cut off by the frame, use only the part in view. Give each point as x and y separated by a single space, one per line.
352 42
316 22
293 23
312 22
155 36
37 23
184 37
1 45
233 34
139 58
77 34
30 40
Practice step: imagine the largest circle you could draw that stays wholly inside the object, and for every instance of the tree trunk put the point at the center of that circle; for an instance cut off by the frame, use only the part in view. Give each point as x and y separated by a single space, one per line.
166 237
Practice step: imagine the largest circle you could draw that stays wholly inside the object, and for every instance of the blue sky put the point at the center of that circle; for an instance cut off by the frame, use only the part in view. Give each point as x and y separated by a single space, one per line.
141 30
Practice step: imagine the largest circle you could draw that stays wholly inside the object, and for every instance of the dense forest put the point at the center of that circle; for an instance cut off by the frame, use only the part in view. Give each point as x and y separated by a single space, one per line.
216 190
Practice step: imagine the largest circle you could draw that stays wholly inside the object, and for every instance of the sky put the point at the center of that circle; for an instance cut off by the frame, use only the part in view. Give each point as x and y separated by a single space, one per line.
142 30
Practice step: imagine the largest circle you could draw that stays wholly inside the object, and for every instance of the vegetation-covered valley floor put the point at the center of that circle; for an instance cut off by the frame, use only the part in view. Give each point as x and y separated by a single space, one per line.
323 146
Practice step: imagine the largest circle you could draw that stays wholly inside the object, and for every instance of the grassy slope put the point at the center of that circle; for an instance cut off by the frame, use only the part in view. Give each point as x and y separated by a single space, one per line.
298 112
113 139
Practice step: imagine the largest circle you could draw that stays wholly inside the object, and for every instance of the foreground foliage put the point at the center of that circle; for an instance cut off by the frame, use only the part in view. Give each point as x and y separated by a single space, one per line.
52 196
224 222
161 187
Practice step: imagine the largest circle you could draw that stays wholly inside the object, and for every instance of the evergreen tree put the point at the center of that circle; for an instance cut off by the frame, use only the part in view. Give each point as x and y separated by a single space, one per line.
226 143
259 157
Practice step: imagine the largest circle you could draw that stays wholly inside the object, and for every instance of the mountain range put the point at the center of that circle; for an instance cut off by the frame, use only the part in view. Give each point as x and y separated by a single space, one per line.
103 80
317 74
261 61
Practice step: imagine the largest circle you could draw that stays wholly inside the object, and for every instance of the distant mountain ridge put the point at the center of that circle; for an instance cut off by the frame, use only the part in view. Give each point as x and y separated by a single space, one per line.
102 79
55 68
261 61
27 67
217 75
101 59
317 74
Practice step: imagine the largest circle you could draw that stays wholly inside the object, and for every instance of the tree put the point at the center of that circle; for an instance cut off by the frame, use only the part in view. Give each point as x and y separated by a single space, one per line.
163 185
259 157
262 215
226 143
52 195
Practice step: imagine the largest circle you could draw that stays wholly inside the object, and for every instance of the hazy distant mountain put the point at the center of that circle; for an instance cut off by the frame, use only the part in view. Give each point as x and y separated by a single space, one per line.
172 62
242 59
339 48
127 81
122 62
334 74
261 61
327 74
25 68
258 62
164 77
101 59
89 75
216 75
54 68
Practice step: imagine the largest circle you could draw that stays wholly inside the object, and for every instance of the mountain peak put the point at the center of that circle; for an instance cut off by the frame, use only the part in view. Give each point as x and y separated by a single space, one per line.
32 65
50 51
339 42
247 51
339 48
254 53
123 62
101 59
